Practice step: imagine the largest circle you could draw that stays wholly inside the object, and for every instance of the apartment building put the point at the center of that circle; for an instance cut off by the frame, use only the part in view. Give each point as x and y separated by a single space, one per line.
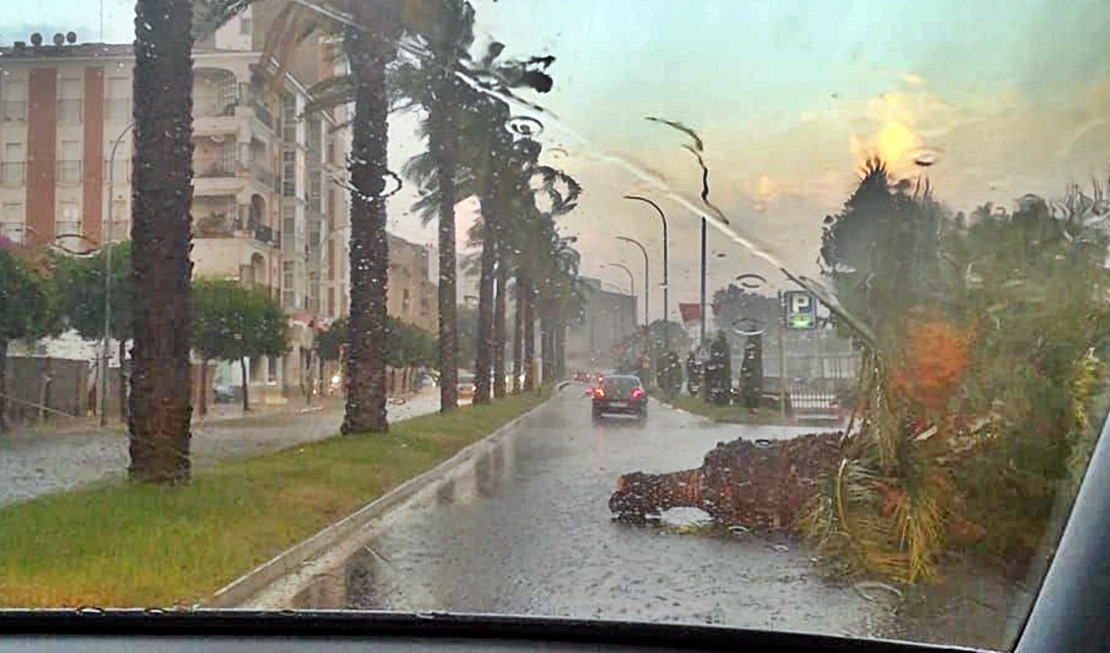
269 207
412 296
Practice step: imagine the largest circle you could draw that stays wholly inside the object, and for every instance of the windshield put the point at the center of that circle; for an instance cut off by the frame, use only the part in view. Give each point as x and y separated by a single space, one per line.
265 261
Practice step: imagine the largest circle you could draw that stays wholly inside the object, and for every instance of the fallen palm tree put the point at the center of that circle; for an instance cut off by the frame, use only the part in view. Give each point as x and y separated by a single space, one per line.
759 485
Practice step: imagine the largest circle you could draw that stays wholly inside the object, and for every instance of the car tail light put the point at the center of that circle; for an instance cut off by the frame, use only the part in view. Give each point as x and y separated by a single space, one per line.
599 392
637 393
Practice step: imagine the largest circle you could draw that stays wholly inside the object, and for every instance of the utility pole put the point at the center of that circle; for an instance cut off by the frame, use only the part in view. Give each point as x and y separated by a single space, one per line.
701 342
782 356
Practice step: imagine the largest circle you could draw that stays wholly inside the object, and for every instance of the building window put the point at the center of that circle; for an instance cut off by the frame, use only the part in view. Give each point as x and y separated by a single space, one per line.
289 120
117 106
245 25
14 105
288 292
121 218
289 173
288 229
11 221
271 369
405 303
226 155
227 95
11 171
69 163
69 100
68 220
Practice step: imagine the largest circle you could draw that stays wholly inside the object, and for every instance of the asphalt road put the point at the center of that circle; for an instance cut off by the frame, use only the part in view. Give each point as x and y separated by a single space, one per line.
36 463
525 529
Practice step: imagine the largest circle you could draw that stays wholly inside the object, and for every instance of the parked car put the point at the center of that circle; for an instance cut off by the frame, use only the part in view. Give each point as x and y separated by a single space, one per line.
620 394
223 393
466 387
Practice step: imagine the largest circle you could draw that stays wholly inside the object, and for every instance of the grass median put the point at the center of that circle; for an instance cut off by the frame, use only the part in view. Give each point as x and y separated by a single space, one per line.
120 544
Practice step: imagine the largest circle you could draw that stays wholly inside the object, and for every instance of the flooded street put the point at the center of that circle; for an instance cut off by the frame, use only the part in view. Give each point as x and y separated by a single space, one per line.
525 528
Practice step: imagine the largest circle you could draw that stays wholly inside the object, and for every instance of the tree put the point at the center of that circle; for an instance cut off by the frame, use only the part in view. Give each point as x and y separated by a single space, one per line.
81 295
162 192
233 322
369 48
718 373
27 309
435 85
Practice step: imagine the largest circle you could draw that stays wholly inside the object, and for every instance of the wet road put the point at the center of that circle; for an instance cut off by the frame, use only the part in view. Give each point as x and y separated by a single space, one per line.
36 463
526 528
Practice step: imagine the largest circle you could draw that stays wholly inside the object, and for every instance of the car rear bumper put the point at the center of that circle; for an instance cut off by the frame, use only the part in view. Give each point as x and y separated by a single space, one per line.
611 407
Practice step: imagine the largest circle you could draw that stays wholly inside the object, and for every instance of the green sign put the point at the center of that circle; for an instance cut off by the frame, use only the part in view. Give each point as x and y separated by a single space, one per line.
801 310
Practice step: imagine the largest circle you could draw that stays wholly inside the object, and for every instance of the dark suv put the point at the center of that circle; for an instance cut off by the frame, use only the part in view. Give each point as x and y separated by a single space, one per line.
620 394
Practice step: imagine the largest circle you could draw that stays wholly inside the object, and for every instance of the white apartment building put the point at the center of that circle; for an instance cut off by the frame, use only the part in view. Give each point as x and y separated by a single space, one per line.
269 207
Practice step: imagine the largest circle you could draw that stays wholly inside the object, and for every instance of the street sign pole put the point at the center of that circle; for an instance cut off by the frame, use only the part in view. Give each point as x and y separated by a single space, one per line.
782 357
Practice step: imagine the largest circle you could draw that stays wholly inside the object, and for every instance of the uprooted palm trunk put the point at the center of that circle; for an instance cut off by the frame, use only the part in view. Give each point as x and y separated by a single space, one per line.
756 484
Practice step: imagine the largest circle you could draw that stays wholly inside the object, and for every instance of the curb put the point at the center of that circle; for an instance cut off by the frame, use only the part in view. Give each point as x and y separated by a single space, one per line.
253 582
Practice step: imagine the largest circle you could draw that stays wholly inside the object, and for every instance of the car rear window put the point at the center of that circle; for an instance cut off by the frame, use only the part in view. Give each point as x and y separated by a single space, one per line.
620 385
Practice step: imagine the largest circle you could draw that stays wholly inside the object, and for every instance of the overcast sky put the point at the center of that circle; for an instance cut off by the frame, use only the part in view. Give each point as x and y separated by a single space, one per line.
789 97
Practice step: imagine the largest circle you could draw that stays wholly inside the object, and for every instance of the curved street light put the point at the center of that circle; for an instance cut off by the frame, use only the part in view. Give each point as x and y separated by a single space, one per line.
106 242
631 278
647 284
666 263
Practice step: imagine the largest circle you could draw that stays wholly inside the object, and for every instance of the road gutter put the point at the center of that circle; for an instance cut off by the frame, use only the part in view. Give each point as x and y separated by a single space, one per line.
273 583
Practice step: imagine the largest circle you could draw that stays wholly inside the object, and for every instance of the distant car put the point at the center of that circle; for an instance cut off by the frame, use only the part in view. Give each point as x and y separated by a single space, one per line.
223 393
620 394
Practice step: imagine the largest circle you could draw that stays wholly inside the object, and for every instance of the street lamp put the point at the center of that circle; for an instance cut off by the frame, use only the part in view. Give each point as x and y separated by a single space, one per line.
666 266
647 285
631 287
631 279
107 244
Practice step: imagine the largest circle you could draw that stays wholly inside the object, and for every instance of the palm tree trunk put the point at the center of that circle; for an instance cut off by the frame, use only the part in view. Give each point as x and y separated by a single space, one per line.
443 142
518 333
561 349
161 381
203 387
122 382
499 330
529 336
243 374
547 334
484 347
3 385
369 53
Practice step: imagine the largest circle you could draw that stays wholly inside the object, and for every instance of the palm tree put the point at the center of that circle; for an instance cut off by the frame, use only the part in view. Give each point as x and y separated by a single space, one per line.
433 83
160 406
370 30
369 52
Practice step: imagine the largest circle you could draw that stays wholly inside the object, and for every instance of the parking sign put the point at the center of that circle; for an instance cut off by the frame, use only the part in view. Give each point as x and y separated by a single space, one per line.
801 310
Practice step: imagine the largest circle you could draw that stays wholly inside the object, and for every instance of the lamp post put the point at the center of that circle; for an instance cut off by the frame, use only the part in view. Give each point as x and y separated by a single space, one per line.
666 268
647 285
631 288
107 242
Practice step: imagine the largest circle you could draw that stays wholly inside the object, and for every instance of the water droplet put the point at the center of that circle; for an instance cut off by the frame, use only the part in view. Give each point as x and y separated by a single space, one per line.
90 611
925 157
526 126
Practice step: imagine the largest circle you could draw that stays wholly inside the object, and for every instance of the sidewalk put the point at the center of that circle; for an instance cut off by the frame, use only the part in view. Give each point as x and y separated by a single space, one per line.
37 462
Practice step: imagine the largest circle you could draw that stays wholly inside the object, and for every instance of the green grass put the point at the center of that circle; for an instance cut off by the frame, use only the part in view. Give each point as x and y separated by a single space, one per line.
122 544
737 414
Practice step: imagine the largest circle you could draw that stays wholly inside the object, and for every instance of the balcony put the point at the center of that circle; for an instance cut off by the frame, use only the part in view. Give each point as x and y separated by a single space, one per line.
263 174
264 234
215 170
